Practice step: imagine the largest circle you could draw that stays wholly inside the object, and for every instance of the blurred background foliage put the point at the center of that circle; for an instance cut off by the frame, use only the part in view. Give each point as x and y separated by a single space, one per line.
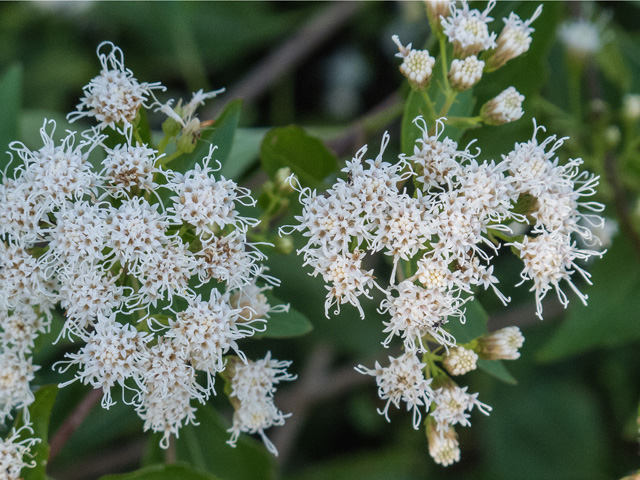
572 414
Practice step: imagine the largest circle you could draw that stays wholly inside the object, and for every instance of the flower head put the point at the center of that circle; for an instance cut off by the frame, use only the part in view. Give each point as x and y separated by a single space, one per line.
402 381
505 108
467 29
114 96
417 65
514 40
465 73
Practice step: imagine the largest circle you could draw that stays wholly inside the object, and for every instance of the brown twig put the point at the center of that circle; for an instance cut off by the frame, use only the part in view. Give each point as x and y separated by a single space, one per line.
73 421
290 53
316 383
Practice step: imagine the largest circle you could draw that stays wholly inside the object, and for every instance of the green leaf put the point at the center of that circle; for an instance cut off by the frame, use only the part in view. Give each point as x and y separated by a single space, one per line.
534 429
163 472
40 414
221 135
611 317
204 447
285 324
10 99
305 155
475 326
244 151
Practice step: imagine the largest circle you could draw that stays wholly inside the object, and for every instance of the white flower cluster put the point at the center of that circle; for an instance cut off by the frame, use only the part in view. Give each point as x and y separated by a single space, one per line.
152 267
439 214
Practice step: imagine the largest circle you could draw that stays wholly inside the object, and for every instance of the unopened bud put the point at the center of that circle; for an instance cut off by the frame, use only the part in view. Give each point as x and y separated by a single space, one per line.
284 245
465 73
443 446
502 344
460 360
282 182
417 65
505 108
437 9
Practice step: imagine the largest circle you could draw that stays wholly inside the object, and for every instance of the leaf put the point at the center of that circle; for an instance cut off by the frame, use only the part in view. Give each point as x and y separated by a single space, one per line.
611 317
305 155
285 324
11 100
475 326
244 151
40 414
204 447
534 429
163 472
221 135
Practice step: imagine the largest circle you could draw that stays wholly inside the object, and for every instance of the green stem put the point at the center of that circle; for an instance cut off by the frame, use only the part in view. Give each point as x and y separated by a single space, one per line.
431 111
576 68
445 64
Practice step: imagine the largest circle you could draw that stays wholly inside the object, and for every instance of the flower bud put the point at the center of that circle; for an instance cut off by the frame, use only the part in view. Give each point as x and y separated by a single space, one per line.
283 245
465 73
443 446
505 108
417 65
436 10
460 360
502 344
513 41
282 180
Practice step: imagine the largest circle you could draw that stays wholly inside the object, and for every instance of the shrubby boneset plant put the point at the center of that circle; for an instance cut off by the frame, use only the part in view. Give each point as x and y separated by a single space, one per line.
152 267
160 277
440 215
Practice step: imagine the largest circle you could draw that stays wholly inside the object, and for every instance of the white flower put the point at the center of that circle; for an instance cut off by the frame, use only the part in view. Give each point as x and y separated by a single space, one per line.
205 202
548 259
129 166
418 312
13 452
417 65
504 108
185 114
78 235
16 373
443 446
87 293
206 331
22 211
58 173
230 259
135 230
345 278
452 405
252 388
502 344
514 40
20 328
169 386
460 360
465 73
434 160
467 29
253 303
111 355
166 273
114 96
402 381
23 280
